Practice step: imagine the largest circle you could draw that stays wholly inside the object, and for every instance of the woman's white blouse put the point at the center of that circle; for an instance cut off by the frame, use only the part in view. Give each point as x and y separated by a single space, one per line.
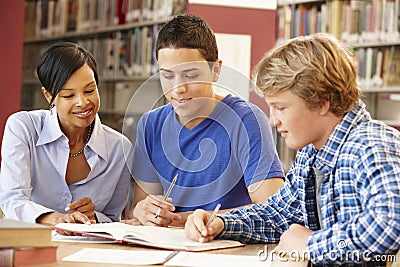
35 154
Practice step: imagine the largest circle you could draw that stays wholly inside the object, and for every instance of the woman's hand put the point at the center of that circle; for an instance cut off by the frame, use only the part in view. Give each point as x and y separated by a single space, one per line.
54 218
83 205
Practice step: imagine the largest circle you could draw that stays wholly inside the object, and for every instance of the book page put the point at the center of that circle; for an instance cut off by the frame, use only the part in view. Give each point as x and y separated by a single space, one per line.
173 238
117 256
117 230
161 237
55 237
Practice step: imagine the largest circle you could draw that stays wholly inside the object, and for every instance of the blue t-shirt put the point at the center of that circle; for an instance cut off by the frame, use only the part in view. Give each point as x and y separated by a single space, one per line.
216 160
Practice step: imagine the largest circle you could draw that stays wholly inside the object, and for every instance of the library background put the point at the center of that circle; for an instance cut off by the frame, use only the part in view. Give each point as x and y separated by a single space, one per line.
121 35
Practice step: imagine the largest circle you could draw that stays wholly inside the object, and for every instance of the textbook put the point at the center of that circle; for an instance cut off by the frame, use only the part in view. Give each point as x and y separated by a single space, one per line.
151 236
28 256
22 234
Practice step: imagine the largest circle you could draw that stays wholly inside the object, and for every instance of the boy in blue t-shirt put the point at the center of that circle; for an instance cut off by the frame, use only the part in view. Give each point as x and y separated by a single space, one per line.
221 147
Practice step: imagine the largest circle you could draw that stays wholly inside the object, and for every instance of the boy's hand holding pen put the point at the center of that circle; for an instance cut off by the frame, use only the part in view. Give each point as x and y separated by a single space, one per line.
202 226
167 194
162 211
155 210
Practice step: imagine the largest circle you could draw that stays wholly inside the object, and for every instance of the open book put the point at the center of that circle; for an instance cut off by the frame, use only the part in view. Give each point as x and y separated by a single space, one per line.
151 236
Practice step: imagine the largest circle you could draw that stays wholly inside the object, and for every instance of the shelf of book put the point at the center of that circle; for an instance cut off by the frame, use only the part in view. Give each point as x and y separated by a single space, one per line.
121 35
370 28
50 18
354 21
96 32
122 55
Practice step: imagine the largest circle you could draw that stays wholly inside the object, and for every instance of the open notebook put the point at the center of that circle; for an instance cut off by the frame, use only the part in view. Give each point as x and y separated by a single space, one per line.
151 236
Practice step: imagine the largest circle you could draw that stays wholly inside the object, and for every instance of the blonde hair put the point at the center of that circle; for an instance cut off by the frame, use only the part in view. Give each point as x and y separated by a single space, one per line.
315 67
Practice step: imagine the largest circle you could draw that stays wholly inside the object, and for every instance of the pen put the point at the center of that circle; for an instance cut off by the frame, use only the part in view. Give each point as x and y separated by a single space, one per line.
167 194
213 214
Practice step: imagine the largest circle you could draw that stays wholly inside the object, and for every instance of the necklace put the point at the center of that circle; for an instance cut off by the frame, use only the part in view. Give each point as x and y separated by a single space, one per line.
87 140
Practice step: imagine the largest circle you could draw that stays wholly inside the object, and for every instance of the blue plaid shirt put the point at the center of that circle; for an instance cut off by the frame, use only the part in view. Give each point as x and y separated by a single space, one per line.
360 196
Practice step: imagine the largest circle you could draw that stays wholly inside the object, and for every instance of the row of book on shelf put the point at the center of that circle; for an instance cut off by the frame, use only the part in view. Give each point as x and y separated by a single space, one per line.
123 53
45 18
354 21
378 66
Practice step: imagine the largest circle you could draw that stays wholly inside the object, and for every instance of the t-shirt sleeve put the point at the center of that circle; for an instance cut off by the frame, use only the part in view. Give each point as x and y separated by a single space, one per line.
263 160
142 167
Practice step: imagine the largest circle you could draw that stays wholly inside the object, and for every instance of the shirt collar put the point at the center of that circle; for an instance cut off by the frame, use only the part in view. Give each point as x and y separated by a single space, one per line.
97 141
51 131
330 151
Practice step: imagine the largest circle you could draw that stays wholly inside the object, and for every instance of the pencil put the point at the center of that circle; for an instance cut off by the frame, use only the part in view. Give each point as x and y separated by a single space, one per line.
167 193
213 214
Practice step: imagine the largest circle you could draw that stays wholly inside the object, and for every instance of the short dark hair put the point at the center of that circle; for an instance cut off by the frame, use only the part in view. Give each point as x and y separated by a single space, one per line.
188 31
58 62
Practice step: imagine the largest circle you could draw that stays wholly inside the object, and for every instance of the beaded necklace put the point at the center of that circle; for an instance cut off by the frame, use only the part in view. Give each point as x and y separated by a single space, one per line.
87 140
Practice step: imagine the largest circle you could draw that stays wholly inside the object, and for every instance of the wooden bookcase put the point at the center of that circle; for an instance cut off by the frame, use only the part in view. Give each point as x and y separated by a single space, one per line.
121 35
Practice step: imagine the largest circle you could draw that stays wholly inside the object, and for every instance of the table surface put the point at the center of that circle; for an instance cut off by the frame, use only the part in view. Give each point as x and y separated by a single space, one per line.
68 248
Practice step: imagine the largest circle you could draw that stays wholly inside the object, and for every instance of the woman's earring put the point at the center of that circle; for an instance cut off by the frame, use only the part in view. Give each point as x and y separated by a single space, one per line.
51 109
215 76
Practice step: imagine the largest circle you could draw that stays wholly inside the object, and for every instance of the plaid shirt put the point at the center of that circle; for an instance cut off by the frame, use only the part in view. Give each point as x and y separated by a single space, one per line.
360 196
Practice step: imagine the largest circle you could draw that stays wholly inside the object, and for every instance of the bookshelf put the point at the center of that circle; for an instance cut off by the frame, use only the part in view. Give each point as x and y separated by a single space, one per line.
121 35
371 29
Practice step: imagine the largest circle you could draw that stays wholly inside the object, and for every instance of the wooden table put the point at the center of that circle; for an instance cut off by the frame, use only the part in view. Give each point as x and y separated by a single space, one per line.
68 248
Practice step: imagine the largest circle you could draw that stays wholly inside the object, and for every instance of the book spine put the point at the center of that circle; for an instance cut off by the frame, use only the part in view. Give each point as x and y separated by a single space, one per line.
6 257
335 17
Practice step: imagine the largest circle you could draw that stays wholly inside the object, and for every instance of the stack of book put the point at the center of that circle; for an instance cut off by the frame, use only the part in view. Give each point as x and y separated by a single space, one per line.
25 244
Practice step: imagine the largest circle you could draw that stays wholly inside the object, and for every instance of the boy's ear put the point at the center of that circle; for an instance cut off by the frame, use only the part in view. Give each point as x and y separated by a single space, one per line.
46 94
325 107
216 70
